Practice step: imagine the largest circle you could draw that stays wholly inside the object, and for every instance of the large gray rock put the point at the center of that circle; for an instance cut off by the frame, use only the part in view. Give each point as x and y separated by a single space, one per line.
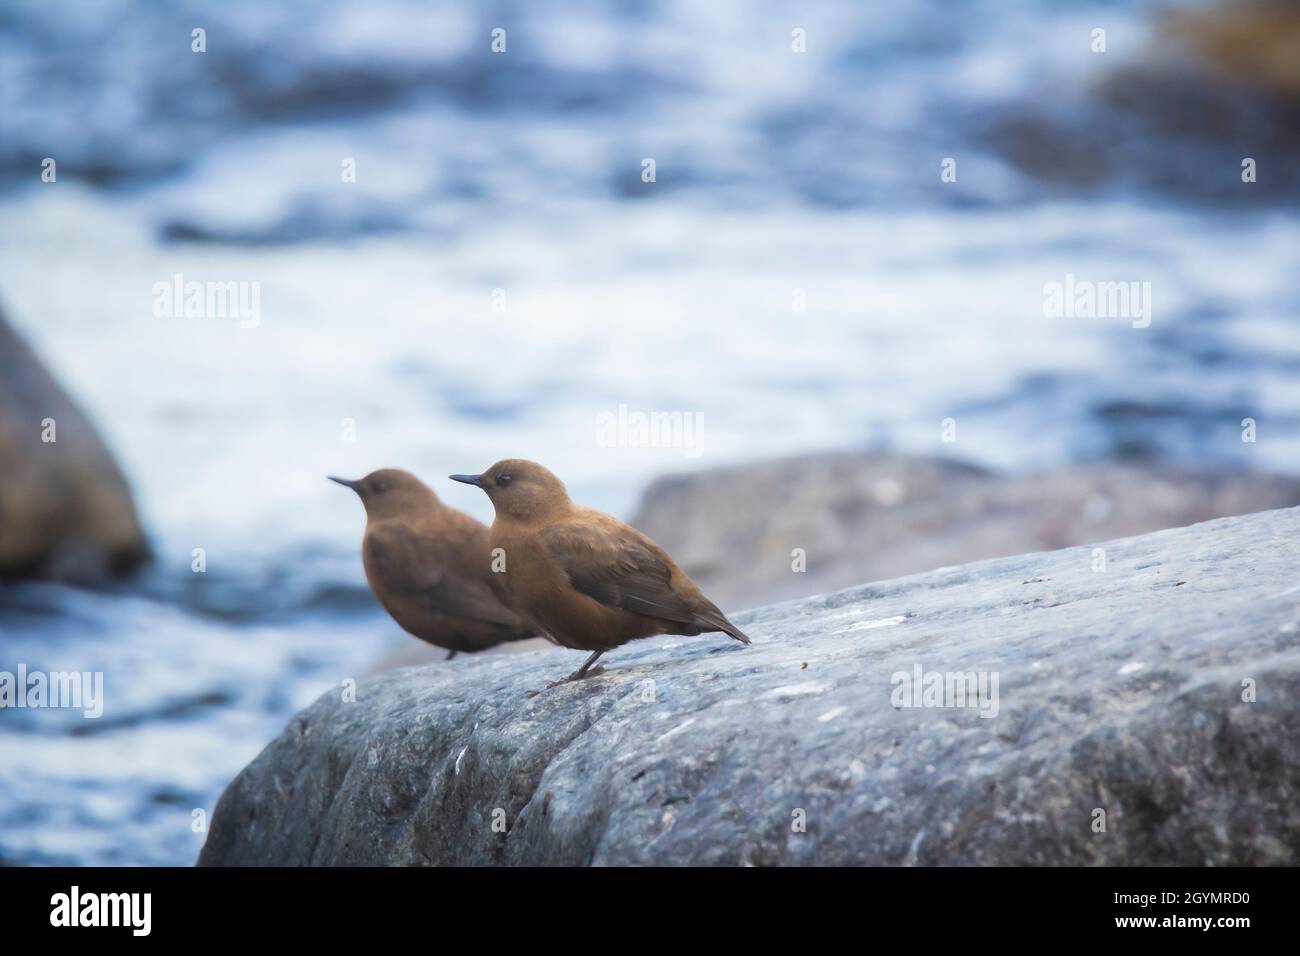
1162 692
864 516
65 509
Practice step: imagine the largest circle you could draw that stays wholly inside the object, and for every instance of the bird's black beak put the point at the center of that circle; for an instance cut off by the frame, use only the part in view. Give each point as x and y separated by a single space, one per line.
344 482
476 480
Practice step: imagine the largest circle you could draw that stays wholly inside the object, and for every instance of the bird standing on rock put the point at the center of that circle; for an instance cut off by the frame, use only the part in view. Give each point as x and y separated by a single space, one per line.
429 565
585 579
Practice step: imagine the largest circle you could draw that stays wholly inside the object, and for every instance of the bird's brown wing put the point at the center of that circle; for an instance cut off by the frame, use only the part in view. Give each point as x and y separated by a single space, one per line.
428 571
618 570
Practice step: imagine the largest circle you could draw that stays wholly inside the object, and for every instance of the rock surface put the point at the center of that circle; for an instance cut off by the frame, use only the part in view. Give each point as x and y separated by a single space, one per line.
1162 691
865 516
66 512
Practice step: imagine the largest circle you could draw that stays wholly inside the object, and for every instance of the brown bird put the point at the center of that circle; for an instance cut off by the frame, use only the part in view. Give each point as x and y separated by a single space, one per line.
430 566
585 579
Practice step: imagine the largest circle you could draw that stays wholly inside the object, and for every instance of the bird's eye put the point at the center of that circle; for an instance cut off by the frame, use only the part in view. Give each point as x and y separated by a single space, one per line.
503 480
379 487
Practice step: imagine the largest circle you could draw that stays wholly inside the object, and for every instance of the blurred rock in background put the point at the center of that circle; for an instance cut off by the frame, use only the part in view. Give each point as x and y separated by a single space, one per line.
1251 43
65 509
1209 88
870 516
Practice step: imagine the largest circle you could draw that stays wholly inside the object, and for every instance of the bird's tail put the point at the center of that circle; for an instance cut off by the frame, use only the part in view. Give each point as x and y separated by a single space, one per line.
715 620
734 631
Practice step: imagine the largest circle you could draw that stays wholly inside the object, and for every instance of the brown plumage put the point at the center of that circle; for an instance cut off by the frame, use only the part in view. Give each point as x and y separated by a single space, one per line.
583 578
430 565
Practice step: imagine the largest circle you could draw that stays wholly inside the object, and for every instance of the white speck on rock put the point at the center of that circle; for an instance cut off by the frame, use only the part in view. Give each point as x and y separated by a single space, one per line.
1132 667
676 730
459 757
832 714
914 850
871 625
796 690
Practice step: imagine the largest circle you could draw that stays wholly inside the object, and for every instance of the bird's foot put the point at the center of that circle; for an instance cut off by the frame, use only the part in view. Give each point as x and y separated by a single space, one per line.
576 675
549 685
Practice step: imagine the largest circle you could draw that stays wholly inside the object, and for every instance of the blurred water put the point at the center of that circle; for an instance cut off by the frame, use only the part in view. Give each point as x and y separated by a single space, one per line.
776 172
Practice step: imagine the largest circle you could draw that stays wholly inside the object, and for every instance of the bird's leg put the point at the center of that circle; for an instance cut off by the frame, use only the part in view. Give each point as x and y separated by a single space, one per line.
450 655
585 670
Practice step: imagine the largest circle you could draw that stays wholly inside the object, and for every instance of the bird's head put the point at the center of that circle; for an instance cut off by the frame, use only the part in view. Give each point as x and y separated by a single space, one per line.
390 492
521 489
